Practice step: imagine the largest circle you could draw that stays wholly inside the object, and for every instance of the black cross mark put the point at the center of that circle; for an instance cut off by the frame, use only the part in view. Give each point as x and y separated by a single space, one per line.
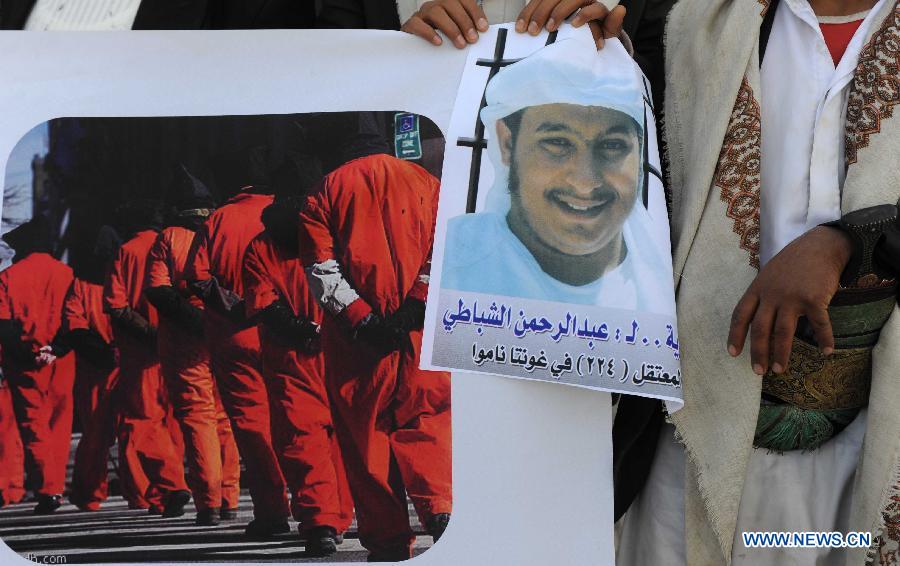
649 169
478 142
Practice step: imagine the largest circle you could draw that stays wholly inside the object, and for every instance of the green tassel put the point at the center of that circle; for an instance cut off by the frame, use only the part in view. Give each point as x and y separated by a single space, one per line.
783 428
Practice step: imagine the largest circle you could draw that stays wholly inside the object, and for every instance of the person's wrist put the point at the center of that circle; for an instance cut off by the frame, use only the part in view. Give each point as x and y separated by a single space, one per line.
839 244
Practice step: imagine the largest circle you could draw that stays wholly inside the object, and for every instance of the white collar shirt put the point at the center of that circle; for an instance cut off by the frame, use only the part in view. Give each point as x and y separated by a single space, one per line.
82 15
803 112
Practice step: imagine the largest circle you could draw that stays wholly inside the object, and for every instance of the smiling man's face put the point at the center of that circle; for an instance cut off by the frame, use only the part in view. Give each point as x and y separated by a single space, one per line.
573 174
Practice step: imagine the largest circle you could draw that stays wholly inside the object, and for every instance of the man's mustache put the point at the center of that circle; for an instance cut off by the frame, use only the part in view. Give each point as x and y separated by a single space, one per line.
599 194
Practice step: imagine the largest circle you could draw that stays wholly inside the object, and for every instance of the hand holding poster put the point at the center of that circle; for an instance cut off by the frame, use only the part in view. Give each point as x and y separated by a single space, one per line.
553 255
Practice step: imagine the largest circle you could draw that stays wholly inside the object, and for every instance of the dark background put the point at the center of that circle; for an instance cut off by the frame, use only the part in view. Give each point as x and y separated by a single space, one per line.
94 165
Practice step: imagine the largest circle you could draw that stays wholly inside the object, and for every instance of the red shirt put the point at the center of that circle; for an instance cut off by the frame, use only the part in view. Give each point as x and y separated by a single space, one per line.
83 309
223 239
270 274
125 282
168 260
32 291
375 215
838 36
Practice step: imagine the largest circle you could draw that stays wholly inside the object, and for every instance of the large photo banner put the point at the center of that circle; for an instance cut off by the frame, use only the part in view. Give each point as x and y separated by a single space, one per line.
256 241
552 256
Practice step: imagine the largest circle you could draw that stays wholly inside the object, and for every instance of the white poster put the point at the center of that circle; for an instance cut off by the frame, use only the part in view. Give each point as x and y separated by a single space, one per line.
551 257
520 483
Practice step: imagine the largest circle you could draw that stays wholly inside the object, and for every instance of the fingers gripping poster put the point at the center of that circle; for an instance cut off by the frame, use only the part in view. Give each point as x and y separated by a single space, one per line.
551 257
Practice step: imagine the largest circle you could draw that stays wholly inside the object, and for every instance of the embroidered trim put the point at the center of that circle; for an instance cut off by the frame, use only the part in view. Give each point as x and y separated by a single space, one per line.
765 5
738 173
875 89
886 545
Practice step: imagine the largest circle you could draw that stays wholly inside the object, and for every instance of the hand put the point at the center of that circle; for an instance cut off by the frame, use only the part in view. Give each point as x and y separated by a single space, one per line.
799 281
378 335
309 337
410 316
312 346
45 356
459 20
604 23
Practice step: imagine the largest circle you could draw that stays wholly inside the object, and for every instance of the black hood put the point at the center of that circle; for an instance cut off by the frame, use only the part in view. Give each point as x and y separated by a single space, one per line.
281 219
344 136
188 193
139 215
248 169
33 236
297 176
106 245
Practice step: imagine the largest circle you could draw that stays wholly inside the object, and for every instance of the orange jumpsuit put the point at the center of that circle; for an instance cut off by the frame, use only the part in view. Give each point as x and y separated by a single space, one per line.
32 292
94 397
214 469
218 252
12 470
302 428
149 453
375 217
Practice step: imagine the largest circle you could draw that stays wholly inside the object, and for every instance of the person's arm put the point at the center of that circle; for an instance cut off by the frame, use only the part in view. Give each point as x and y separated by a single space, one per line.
329 286
203 283
265 304
777 298
317 254
162 294
11 329
115 302
411 313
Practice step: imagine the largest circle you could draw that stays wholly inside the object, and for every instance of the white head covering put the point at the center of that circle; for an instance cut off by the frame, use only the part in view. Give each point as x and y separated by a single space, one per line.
569 71
572 71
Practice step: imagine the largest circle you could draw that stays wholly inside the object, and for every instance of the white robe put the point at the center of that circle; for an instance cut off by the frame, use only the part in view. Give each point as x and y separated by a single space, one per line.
803 105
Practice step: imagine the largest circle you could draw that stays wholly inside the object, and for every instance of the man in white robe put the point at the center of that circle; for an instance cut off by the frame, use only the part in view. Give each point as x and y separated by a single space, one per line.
808 140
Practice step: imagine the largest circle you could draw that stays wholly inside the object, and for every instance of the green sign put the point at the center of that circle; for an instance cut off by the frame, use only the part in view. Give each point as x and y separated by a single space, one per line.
407 142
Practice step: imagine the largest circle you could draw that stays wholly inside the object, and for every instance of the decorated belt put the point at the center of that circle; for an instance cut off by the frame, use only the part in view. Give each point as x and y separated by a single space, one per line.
818 396
841 380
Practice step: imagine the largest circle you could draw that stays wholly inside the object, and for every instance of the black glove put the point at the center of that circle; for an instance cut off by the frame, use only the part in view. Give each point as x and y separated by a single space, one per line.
172 305
298 332
381 337
14 348
88 344
410 316
221 300
134 323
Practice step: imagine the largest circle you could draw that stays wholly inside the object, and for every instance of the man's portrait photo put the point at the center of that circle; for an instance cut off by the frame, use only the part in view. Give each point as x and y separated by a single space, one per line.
565 219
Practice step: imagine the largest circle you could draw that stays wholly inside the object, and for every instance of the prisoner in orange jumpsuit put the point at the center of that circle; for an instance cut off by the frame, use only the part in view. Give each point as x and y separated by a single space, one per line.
214 272
87 330
151 456
12 470
365 240
212 457
275 290
32 292
96 374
